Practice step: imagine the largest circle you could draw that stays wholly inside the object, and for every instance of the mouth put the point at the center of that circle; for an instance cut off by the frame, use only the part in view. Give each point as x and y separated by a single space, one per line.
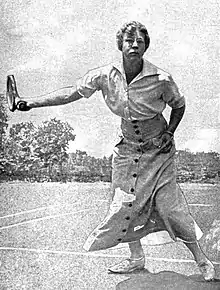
133 53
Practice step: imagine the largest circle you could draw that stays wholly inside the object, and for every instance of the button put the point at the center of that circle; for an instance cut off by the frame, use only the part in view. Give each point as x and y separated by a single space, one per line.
124 230
138 150
140 140
135 126
134 121
135 175
130 204
127 218
136 160
132 189
137 132
119 240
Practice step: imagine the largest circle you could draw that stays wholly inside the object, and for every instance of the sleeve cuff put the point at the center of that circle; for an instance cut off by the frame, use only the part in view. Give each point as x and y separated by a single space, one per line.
178 103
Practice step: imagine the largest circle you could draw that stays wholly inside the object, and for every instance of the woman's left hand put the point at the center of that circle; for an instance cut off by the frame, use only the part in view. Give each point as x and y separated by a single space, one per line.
166 142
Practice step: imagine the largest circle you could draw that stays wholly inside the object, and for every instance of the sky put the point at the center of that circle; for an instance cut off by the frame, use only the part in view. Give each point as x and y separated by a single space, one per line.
52 43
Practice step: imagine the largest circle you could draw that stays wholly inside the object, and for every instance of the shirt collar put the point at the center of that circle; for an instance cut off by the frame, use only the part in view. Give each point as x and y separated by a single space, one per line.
149 69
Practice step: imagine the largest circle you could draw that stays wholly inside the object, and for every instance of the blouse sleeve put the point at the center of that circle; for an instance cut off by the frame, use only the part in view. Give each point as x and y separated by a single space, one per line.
172 95
89 83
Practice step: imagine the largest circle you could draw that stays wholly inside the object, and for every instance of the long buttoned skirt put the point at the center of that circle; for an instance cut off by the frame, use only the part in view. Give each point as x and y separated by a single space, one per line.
145 195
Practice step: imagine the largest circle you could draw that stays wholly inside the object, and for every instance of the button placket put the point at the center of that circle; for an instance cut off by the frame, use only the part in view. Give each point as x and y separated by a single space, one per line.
136 159
133 186
125 229
135 172
127 110
127 217
137 131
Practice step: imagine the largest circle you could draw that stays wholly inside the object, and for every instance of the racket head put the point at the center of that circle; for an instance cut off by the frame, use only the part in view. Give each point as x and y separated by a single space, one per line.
11 92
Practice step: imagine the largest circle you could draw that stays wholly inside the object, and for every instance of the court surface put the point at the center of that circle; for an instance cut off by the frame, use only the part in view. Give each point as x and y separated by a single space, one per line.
43 227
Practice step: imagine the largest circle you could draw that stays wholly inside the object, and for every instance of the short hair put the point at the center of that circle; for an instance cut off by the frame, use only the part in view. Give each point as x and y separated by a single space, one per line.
132 26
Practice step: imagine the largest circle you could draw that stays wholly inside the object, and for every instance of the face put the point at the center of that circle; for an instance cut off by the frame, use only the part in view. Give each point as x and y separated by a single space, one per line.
133 46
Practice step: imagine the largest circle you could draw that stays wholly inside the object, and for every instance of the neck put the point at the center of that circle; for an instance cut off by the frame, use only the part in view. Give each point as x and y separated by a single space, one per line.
133 67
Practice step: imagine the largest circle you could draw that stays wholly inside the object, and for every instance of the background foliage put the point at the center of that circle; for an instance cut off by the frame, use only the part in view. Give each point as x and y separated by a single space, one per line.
40 153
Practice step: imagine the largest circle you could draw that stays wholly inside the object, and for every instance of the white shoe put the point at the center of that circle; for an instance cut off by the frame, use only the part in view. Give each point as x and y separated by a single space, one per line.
128 266
207 269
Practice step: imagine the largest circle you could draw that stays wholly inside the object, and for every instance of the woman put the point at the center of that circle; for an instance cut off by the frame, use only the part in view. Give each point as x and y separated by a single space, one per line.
146 197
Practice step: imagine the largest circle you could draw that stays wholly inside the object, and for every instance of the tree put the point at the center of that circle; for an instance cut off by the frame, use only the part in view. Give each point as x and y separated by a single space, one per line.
3 127
85 168
37 153
50 144
19 161
3 119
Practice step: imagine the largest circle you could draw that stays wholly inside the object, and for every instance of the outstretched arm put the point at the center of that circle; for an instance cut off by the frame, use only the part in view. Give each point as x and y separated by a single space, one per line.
59 97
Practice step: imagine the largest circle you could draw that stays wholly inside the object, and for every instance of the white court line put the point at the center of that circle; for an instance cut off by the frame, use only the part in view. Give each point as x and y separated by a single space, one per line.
26 211
96 255
43 218
36 209
102 200
44 208
200 204
203 193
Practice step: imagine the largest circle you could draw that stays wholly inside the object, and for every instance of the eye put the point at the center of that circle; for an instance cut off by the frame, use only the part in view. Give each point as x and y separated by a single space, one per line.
129 40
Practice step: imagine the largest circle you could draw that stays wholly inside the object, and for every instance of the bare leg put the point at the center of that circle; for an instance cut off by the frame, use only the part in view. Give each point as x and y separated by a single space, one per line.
135 262
205 266
136 250
197 252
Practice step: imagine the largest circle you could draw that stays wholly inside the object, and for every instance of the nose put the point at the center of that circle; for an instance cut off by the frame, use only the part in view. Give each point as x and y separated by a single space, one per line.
135 44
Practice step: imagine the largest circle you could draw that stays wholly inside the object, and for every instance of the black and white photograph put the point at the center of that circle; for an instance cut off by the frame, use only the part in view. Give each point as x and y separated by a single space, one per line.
110 145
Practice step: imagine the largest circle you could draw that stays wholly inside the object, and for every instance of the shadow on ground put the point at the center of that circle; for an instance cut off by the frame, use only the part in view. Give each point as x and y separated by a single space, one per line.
166 280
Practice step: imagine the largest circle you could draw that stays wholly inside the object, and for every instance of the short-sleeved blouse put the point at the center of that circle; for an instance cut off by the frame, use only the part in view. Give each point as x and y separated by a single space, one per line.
143 98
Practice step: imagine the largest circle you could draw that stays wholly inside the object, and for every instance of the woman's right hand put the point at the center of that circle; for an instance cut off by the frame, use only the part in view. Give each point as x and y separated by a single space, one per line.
22 106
